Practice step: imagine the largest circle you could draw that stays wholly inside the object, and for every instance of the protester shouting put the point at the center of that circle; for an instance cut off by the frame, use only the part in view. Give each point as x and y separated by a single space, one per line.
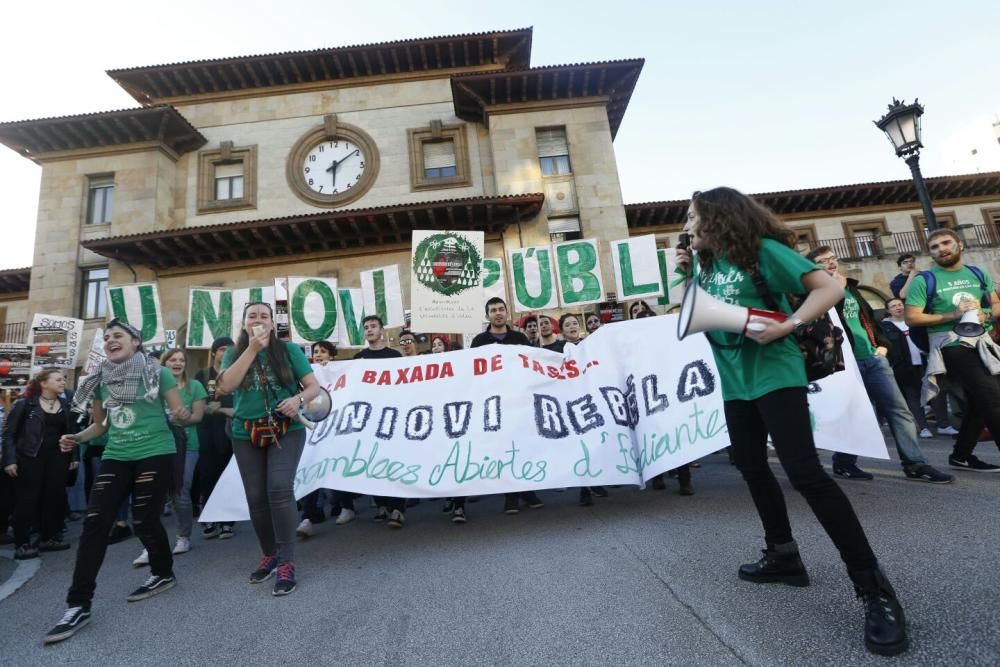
763 380
126 396
31 455
264 375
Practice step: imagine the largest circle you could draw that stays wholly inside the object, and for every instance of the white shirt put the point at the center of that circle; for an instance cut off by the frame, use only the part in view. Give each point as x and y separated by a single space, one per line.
915 357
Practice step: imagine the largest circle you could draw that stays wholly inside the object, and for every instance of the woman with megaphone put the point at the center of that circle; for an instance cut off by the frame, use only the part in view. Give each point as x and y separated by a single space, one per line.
738 248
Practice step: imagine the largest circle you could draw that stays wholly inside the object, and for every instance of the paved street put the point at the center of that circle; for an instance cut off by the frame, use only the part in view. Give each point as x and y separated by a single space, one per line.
642 577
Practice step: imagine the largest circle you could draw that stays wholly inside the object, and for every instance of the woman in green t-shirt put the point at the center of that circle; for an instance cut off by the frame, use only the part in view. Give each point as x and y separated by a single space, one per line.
764 391
264 375
193 396
127 395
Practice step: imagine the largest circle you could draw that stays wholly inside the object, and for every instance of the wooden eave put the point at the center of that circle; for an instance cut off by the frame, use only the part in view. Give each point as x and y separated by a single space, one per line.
475 94
175 81
793 203
14 281
328 231
161 125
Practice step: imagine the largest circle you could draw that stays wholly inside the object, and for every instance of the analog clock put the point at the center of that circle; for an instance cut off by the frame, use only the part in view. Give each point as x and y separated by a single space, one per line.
332 169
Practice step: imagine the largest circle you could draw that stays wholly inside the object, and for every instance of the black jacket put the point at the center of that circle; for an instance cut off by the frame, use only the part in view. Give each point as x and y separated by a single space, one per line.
867 317
512 338
22 431
899 353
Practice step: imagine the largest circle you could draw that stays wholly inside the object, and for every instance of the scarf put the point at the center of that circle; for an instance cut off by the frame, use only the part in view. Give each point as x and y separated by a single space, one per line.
124 381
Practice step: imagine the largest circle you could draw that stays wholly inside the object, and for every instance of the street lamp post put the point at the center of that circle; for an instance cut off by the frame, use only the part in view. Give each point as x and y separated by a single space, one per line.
902 125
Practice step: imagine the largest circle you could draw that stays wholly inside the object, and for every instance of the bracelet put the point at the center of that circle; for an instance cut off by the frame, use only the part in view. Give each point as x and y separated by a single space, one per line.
302 401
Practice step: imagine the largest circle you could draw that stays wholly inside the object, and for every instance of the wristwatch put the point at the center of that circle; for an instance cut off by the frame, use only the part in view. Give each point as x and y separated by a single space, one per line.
302 401
797 322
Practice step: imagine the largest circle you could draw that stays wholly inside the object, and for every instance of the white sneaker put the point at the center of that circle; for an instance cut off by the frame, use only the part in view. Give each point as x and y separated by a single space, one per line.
305 528
948 430
926 433
142 560
345 516
183 546
395 519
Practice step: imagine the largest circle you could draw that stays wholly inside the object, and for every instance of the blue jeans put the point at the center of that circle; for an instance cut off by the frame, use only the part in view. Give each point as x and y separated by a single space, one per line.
884 393
182 498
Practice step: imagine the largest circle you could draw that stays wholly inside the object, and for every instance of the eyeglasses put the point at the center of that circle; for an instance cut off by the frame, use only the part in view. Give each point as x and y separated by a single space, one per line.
407 341
825 260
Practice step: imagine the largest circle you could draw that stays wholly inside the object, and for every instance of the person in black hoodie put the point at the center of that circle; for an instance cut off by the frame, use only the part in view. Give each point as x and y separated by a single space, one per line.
870 347
499 332
31 456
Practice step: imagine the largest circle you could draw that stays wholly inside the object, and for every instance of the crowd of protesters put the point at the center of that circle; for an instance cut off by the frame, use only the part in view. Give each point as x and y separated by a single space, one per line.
149 432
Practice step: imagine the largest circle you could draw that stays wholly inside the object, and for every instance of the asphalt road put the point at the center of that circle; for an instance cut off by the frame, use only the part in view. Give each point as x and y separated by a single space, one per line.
642 577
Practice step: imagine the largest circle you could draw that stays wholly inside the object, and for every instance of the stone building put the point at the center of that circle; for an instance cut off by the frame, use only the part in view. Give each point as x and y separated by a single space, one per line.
234 171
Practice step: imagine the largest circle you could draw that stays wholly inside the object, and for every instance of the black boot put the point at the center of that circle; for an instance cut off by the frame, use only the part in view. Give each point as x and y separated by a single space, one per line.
885 624
781 565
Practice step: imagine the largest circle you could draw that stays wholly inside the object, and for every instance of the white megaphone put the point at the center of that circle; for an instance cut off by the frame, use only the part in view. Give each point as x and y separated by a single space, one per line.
969 326
700 311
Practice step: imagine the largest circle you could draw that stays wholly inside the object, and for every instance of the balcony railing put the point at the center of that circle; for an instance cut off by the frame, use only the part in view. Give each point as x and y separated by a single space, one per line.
978 236
15 332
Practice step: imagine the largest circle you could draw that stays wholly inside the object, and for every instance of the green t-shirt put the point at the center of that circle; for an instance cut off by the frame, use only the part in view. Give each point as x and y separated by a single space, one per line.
952 287
748 370
139 431
248 401
193 391
863 348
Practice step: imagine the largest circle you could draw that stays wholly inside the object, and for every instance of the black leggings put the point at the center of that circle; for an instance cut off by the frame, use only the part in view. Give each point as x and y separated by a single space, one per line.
982 392
784 414
41 493
148 480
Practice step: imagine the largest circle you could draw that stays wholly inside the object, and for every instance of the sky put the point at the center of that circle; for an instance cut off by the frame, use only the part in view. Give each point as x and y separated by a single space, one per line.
761 96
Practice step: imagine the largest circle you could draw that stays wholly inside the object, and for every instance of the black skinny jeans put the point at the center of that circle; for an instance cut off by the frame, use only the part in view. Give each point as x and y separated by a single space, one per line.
982 394
216 450
784 414
41 494
148 480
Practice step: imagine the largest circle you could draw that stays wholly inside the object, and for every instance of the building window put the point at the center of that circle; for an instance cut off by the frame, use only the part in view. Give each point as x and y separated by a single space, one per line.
439 157
805 238
862 239
945 220
553 151
565 229
100 199
227 178
94 300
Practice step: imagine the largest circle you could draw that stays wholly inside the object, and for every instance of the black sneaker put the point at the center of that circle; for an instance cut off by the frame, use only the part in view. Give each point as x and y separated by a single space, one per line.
458 515
285 583
599 491
448 506
970 462
851 471
382 515
225 532
25 552
54 544
776 567
926 473
153 586
586 500
264 570
396 519
532 500
687 489
510 504
119 534
210 531
74 619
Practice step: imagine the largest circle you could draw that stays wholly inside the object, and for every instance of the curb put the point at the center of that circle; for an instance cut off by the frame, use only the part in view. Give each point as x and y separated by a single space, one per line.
24 571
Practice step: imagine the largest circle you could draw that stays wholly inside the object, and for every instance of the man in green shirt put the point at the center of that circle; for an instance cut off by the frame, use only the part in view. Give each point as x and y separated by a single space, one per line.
870 347
958 288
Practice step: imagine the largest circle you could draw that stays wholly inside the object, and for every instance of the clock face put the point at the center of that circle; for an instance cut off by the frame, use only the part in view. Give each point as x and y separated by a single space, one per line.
333 166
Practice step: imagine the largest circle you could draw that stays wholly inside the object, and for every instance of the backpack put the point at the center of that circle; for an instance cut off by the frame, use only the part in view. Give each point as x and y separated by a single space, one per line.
931 281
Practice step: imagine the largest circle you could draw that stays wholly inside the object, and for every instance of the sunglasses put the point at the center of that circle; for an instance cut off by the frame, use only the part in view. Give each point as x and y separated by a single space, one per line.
257 303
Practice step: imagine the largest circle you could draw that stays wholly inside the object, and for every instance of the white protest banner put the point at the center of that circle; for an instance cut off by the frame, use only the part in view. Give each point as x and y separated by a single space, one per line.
15 365
243 296
383 295
350 333
56 340
504 418
532 276
578 272
312 309
671 278
210 316
96 354
446 293
494 284
637 270
139 305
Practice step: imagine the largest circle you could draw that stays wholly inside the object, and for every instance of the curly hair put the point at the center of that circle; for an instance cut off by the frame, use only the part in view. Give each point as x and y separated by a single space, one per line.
730 220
